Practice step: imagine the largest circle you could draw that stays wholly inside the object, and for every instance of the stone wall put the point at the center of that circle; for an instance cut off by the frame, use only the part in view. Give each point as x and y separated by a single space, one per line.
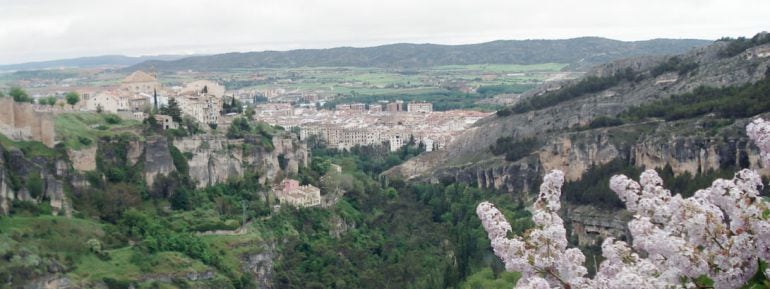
19 121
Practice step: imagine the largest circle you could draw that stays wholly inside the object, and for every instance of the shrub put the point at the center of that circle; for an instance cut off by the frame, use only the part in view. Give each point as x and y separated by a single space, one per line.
84 140
513 149
35 185
605 121
112 119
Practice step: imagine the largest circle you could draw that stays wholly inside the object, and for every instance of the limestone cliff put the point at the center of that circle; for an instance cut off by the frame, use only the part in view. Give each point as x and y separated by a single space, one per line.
215 158
34 179
212 159
712 70
157 158
650 145
647 144
693 145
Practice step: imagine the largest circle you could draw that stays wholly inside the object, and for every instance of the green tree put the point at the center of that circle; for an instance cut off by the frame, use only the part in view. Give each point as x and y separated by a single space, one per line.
19 95
35 185
239 128
49 100
250 113
72 98
172 110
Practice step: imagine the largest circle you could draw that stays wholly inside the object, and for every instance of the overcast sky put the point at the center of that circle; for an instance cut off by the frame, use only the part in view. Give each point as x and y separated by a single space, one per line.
33 30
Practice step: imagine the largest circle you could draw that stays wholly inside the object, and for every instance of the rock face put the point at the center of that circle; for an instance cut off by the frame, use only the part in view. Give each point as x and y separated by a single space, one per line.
652 145
157 158
83 160
693 145
712 71
52 282
215 159
261 266
589 225
17 170
646 144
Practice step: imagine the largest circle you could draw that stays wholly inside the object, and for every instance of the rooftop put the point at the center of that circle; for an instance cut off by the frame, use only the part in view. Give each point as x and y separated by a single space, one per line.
139 76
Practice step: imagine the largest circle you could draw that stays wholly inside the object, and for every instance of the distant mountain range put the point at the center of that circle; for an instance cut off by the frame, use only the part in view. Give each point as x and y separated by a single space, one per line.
581 53
115 61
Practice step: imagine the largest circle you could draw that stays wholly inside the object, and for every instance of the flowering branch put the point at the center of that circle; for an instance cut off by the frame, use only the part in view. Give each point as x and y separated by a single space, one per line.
721 232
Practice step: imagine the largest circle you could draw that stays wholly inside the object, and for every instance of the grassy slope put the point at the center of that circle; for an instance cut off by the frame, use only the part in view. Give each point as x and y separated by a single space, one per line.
31 241
32 245
70 127
30 148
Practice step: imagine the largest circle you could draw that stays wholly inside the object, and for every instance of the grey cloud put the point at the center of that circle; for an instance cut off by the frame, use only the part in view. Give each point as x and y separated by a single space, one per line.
44 29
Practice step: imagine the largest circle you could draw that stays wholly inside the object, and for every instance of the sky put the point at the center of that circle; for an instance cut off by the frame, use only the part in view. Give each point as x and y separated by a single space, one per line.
35 30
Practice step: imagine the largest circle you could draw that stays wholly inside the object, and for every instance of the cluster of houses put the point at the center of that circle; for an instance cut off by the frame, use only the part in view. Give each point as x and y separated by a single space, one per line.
396 106
141 91
292 193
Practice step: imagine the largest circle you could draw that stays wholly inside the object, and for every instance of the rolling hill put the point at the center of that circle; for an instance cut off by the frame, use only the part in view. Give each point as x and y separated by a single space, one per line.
87 62
581 53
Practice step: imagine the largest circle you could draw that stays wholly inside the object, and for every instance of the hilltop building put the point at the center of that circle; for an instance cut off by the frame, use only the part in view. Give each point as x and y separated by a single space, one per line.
165 121
108 101
139 82
204 108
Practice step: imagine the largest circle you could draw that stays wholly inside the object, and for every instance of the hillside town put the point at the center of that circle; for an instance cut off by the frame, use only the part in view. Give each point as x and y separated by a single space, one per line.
141 91
394 123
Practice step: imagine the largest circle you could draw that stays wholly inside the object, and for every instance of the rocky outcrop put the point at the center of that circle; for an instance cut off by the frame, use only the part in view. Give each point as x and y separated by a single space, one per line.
712 70
83 160
589 225
6 194
50 282
339 226
17 171
216 159
649 145
467 157
135 151
157 158
260 266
